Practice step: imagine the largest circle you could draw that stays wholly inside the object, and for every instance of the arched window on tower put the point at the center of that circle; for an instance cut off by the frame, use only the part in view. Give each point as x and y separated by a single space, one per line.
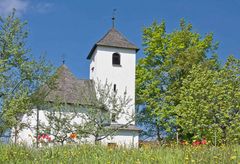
116 59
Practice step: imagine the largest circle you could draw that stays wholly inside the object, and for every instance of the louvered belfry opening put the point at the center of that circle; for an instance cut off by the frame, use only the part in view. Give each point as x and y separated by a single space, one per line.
116 59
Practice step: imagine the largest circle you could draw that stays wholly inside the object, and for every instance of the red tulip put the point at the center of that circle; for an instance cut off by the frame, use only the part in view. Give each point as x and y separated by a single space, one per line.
196 143
204 142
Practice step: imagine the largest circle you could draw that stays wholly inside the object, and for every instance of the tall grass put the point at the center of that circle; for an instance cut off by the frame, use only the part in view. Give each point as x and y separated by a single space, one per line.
98 154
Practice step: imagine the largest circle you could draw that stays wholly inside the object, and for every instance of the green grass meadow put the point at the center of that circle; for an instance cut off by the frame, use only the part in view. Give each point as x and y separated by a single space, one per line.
88 154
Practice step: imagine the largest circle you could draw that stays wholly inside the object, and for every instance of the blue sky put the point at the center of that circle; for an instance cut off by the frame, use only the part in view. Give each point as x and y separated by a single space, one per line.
60 27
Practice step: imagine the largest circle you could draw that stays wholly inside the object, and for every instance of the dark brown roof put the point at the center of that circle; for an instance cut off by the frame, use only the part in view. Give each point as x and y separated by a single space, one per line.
113 38
69 89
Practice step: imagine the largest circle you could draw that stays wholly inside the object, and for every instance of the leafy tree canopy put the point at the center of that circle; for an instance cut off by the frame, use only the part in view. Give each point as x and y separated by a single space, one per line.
168 59
210 103
20 74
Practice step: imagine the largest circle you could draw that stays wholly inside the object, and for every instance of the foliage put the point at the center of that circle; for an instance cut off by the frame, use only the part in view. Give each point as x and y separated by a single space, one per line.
59 125
210 103
20 74
168 59
86 120
99 115
151 125
13 112
99 154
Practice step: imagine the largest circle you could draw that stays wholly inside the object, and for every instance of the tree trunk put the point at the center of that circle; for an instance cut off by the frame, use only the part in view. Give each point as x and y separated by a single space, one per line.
224 136
96 139
37 129
15 135
158 134
177 137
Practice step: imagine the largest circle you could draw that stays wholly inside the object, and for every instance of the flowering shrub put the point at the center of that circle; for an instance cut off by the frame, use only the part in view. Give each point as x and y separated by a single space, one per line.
184 142
44 138
204 142
198 142
73 136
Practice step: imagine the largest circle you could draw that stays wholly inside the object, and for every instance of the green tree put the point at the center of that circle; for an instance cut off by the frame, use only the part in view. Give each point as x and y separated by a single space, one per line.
59 123
89 118
210 103
168 59
99 115
20 74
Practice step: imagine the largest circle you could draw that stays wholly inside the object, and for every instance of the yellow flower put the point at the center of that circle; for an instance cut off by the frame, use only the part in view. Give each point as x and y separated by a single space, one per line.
233 157
138 161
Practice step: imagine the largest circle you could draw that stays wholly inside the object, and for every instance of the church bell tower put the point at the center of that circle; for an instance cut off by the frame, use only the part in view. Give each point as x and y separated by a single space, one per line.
113 59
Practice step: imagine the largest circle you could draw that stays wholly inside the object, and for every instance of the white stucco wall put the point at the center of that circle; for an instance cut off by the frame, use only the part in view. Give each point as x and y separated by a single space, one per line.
124 138
27 136
123 76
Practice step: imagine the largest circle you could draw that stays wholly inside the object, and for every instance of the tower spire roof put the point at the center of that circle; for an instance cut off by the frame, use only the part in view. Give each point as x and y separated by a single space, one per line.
113 38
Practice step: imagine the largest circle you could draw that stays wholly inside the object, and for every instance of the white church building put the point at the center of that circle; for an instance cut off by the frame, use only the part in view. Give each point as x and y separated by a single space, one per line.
112 59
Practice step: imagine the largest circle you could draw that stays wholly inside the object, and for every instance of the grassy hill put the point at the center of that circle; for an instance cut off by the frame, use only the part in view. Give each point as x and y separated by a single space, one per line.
99 154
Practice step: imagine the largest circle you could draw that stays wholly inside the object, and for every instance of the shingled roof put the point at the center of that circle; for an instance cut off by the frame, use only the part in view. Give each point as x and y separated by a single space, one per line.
113 38
69 89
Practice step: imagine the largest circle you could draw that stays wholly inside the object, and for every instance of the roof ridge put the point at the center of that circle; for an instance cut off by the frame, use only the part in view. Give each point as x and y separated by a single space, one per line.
64 67
113 38
70 89
105 35
120 36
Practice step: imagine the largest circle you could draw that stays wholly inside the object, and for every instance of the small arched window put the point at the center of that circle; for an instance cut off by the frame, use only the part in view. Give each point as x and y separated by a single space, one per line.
116 59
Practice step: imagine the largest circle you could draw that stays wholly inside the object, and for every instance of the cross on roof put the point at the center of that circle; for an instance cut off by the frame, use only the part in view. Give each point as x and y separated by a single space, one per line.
63 58
113 18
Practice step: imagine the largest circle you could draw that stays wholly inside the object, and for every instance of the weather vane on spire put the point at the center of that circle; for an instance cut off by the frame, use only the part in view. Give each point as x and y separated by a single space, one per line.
113 17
